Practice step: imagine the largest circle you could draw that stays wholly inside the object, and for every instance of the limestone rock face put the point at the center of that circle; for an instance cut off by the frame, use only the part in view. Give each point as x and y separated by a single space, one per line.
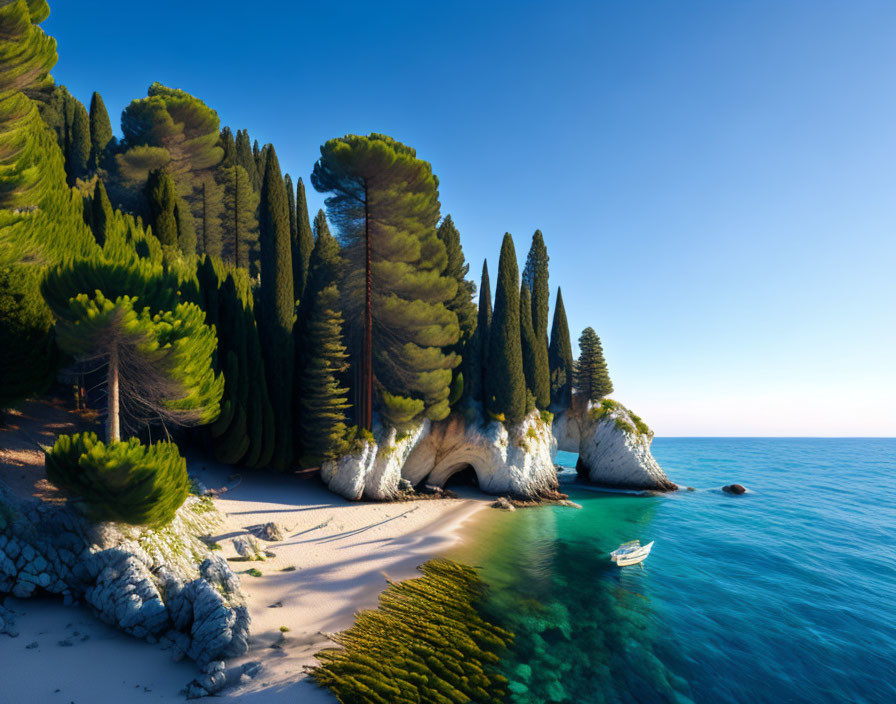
613 446
160 585
518 461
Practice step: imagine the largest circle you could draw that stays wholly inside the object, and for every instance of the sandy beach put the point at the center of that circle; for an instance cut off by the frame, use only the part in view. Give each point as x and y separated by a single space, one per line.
342 553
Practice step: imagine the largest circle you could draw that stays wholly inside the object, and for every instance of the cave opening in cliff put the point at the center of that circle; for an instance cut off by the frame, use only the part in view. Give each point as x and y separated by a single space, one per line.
466 476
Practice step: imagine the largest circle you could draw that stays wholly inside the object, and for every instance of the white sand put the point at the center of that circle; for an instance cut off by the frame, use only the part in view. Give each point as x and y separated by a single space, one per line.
340 568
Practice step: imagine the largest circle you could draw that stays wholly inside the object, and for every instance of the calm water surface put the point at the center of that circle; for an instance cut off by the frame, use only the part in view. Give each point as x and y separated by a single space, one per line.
786 594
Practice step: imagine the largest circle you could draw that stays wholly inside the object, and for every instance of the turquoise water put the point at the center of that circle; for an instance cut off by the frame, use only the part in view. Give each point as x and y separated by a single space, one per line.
785 594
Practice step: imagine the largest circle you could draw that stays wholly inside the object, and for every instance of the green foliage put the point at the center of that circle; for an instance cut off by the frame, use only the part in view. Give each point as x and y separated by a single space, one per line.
535 278
245 159
253 572
462 304
28 353
239 223
321 360
476 351
123 481
277 307
546 417
158 349
427 642
78 154
100 131
528 342
560 357
302 242
100 213
162 198
643 428
592 380
384 203
320 224
505 381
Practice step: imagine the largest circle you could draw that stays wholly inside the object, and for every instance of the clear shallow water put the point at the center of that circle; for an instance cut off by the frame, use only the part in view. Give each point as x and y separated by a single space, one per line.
786 594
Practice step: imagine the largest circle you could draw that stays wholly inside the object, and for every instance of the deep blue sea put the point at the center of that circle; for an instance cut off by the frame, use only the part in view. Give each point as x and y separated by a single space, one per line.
785 594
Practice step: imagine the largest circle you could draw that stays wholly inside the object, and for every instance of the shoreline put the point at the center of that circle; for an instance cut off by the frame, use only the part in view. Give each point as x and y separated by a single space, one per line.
343 553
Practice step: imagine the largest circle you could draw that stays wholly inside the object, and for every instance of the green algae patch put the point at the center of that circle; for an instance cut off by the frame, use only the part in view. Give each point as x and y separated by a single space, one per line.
427 642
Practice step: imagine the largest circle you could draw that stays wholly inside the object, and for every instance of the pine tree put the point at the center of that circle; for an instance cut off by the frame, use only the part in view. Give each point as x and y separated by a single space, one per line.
157 351
101 212
320 224
384 205
592 380
100 131
528 343
239 224
476 351
162 199
302 243
277 306
462 304
79 144
535 278
560 357
505 382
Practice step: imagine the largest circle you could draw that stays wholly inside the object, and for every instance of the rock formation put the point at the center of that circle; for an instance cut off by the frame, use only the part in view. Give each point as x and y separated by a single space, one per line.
613 445
516 461
159 585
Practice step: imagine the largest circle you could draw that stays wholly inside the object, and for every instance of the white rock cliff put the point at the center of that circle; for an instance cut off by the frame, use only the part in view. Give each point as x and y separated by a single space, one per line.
613 446
518 461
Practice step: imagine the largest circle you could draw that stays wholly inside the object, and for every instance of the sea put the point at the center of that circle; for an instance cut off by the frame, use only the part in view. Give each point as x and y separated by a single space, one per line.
784 594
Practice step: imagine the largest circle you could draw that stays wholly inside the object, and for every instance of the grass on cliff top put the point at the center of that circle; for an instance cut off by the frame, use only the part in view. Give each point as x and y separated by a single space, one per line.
608 405
427 642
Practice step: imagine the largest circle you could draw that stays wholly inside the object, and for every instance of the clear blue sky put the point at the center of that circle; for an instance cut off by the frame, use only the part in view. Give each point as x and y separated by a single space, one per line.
716 181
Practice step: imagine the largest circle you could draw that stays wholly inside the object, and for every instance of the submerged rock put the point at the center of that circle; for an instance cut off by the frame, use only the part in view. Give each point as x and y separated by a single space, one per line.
517 461
159 585
504 503
613 445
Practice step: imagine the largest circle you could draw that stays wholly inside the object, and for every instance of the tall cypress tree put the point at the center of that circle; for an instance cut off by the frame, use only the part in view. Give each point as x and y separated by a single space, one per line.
476 351
245 159
79 145
228 146
162 199
560 357
321 358
277 306
100 212
302 243
592 378
100 131
320 224
291 207
529 343
462 304
535 278
505 382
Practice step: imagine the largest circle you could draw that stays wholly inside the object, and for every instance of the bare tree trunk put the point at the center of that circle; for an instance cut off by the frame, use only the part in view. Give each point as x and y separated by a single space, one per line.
367 361
113 429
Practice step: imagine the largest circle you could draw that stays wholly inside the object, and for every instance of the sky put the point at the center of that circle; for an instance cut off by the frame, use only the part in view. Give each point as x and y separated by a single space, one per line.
716 182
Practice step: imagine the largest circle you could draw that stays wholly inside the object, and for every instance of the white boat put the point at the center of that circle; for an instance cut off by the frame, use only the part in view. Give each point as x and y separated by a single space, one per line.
631 553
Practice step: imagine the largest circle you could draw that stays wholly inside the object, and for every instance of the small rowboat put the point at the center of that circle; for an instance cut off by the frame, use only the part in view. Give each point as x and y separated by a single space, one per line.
631 553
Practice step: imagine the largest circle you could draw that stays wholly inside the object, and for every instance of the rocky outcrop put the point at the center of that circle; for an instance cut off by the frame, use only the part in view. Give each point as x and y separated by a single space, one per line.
517 461
734 489
613 445
159 585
